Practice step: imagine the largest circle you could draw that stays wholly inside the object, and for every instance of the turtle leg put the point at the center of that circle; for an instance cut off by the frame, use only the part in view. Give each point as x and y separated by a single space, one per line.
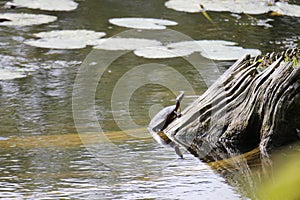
178 114
177 150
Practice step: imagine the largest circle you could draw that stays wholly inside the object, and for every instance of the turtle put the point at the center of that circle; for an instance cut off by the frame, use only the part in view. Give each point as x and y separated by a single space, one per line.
161 120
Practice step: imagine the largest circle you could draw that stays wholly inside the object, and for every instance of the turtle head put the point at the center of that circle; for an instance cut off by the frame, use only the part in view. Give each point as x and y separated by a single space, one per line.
178 100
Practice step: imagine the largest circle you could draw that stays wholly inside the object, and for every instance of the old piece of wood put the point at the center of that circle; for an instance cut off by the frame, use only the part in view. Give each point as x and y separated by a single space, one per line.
255 103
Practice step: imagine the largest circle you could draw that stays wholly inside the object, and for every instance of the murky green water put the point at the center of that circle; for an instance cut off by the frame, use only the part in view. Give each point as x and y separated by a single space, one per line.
41 154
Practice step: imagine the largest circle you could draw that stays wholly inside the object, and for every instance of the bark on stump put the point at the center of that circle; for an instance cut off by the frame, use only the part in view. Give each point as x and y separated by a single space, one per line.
255 103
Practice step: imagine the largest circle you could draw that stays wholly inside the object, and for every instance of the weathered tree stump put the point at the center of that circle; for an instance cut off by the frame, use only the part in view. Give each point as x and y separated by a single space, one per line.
255 103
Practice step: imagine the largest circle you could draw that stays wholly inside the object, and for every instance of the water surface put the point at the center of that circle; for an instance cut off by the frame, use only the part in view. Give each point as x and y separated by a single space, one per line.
42 155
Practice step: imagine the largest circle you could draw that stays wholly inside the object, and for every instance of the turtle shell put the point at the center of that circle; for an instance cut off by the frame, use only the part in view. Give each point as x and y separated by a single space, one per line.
158 122
160 118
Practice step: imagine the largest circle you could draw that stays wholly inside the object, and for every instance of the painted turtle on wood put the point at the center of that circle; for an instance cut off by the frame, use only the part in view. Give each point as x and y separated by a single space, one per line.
161 120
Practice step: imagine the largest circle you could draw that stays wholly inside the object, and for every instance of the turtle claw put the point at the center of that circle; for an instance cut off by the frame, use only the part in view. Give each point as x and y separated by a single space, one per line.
178 115
179 154
181 157
177 150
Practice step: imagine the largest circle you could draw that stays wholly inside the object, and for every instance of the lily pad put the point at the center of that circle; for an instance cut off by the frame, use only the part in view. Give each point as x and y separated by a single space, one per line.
50 5
24 19
229 53
142 23
7 75
125 43
212 49
161 52
237 6
287 9
65 39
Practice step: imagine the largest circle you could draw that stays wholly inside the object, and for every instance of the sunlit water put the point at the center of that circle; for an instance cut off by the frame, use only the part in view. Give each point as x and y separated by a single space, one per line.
39 106
73 173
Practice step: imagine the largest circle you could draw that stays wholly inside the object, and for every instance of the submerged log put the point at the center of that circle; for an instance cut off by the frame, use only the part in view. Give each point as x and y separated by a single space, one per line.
255 103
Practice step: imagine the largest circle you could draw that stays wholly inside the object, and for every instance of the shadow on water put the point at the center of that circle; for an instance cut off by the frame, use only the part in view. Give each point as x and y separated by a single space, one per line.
59 166
261 177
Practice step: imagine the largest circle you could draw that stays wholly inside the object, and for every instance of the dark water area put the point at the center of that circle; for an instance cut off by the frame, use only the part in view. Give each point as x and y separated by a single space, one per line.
44 154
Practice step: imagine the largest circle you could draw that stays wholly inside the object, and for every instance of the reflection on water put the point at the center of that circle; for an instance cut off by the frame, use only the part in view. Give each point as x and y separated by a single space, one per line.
41 154
54 173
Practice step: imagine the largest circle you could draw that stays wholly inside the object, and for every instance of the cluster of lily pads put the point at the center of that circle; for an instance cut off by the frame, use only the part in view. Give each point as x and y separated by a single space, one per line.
76 39
13 19
25 19
147 48
236 6
212 49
